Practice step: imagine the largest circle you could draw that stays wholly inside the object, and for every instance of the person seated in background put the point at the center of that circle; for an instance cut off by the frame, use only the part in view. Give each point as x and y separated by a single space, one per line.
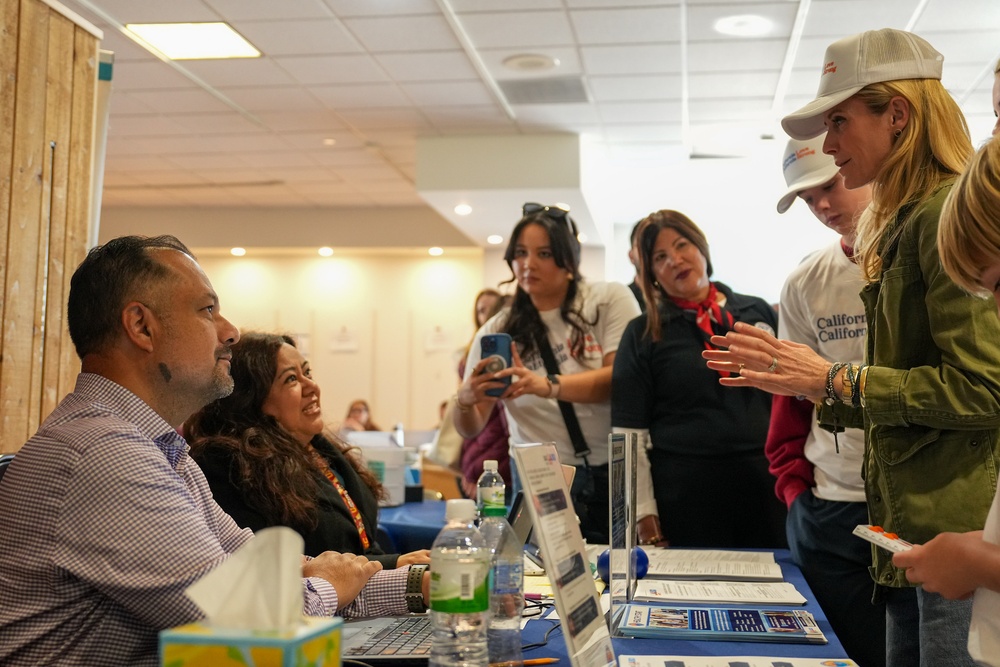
359 418
106 519
270 462
493 442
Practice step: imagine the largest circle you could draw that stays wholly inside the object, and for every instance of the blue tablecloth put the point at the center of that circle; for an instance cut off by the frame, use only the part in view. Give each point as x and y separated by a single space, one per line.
412 526
556 647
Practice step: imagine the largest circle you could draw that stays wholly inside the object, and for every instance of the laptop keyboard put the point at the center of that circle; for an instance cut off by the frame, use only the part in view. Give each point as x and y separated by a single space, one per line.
407 636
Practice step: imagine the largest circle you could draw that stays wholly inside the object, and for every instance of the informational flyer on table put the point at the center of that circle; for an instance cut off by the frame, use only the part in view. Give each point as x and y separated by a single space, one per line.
587 640
722 661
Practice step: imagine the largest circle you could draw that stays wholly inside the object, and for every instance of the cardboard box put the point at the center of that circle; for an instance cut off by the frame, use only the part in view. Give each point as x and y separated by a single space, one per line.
316 643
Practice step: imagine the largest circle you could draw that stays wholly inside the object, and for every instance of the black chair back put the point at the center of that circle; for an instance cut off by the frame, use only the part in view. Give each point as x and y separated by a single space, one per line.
4 462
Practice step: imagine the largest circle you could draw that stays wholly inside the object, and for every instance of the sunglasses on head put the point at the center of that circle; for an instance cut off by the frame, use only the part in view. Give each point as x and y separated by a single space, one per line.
554 212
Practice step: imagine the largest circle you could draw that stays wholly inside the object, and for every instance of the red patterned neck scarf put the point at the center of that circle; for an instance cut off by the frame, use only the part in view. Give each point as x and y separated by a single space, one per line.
359 523
710 316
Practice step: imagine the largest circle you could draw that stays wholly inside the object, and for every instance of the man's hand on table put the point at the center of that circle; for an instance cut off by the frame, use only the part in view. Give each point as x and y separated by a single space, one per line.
347 573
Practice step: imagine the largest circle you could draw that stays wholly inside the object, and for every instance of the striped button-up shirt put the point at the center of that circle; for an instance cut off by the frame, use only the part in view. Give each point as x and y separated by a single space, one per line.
104 522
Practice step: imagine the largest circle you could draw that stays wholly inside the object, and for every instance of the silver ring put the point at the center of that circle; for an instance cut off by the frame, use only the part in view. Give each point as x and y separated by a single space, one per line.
774 365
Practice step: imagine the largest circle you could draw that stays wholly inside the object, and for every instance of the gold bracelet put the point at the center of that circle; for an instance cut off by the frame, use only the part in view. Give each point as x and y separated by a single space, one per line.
651 541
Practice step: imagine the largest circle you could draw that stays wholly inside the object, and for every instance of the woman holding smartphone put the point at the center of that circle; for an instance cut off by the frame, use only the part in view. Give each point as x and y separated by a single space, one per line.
577 326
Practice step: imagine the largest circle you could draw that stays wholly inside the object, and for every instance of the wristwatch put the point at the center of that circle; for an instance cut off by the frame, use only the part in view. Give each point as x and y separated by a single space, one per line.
415 589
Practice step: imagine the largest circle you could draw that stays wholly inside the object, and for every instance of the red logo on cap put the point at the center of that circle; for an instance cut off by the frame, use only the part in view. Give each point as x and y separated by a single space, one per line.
829 68
803 152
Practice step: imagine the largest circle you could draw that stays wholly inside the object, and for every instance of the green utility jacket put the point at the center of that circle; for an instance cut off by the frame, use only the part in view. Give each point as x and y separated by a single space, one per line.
932 399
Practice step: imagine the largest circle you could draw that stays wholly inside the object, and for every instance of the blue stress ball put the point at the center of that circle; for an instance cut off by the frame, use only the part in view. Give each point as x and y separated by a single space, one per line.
640 564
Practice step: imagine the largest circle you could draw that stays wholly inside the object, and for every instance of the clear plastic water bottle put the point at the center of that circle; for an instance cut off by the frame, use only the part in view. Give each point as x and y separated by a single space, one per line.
491 488
506 589
460 564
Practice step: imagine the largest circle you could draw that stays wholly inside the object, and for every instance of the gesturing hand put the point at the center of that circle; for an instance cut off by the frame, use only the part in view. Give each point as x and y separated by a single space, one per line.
347 573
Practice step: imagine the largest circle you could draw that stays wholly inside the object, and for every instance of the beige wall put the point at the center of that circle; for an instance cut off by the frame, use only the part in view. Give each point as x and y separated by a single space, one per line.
408 314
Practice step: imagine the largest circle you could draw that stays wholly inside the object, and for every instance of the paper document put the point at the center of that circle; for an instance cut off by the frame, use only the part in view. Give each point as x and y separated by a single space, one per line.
737 592
731 661
721 624
712 565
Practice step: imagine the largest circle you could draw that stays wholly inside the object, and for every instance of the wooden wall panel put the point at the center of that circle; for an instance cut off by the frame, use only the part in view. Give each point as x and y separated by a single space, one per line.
50 303
48 79
20 343
9 16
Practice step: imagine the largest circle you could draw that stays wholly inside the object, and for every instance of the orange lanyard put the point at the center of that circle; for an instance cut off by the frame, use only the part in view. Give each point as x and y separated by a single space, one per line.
346 497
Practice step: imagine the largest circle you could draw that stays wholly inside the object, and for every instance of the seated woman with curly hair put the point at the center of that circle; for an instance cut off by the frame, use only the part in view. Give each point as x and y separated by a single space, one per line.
269 461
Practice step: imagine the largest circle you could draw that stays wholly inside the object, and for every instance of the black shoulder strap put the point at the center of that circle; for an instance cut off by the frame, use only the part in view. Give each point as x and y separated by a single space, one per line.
566 408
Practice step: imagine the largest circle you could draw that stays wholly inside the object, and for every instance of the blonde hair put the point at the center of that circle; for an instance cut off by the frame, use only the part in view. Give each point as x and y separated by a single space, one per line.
969 234
933 147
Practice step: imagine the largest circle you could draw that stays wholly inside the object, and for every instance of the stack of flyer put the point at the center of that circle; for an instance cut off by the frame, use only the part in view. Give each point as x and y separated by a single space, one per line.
695 593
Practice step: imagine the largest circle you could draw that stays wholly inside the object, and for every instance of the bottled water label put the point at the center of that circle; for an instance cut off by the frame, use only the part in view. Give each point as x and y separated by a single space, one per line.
491 496
506 578
460 589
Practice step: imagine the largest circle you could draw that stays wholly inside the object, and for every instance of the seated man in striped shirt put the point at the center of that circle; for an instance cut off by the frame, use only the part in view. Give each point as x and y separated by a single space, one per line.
106 520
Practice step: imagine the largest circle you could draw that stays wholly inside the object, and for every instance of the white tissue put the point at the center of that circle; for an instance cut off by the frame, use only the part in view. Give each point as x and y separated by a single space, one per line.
259 587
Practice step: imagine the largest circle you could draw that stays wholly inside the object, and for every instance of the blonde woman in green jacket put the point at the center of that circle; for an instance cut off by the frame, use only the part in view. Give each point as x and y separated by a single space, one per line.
928 395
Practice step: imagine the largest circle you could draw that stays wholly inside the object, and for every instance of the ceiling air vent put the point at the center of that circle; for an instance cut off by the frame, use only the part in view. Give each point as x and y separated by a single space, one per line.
559 90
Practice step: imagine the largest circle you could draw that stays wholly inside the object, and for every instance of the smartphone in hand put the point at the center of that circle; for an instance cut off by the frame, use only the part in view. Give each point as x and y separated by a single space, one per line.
495 348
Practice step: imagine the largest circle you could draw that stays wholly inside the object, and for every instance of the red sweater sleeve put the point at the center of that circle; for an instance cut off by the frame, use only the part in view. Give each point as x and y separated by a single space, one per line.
791 421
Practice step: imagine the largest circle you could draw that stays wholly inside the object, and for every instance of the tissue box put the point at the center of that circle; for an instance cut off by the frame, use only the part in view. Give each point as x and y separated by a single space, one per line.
316 643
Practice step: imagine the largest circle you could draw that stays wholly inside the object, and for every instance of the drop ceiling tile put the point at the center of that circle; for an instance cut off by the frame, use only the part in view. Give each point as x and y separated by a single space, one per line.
242 10
226 177
369 8
305 37
320 122
385 187
217 123
188 100
611 4
209 197
123 47
628 25
803 83
643 133
298 175
314 141
730 110
120 179
733 85
126 146
466 6
208 161
332 69
410 198
138 197
169 177
433 66
147 75
626 88
568 114
125 103
403 33
211 144
133 126
364 95
240 72
459 116
971 47
273 159
358 157
954 15
129 164
152 11
260 100
376 172
833 19
367 119
530 31
632 60
731 56
448 93
639 112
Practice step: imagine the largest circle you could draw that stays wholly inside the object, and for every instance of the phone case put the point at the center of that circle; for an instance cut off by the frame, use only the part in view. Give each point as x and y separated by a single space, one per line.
496 348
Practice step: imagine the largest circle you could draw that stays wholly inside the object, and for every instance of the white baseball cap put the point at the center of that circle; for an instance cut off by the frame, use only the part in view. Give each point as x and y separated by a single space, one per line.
805 166
854 62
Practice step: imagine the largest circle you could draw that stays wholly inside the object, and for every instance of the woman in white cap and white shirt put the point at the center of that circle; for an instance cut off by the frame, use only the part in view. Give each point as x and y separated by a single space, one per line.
818 478
928 395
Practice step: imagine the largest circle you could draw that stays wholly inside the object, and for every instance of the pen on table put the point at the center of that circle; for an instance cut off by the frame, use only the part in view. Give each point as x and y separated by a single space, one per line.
532 661
534 596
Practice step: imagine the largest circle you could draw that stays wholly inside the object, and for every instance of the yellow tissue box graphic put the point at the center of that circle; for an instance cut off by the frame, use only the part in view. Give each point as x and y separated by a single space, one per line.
316 643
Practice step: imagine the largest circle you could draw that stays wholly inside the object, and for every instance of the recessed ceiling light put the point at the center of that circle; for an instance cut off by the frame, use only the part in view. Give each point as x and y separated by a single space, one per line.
190 41
744 25
325 251
463 209
329 142
238 252
435 251
494 239
530 62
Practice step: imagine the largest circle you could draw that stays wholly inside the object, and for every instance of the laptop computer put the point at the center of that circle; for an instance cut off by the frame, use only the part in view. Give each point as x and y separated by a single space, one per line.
401 641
